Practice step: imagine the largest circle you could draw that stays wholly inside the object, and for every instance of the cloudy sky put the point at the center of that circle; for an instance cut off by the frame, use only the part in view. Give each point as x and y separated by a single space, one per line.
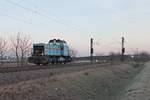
76 21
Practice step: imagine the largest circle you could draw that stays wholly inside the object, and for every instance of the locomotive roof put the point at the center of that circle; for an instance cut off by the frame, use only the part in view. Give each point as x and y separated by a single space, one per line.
57 40
39 44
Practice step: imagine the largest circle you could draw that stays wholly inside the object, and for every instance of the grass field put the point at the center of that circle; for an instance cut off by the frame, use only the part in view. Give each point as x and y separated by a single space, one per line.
97 83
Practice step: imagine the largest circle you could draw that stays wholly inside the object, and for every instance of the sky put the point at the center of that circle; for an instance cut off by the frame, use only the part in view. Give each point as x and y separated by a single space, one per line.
76 21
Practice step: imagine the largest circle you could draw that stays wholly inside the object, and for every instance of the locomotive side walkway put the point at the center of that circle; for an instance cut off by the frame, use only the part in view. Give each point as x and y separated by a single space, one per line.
139 89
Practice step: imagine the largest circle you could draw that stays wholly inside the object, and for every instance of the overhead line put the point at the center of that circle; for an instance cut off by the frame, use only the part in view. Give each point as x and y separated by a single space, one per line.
43 10
15 18
36 12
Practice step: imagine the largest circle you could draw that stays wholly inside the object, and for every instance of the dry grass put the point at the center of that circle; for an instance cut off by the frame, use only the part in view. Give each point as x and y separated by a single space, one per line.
97 83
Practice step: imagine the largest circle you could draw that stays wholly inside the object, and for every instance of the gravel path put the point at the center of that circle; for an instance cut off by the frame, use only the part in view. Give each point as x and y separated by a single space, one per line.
139 89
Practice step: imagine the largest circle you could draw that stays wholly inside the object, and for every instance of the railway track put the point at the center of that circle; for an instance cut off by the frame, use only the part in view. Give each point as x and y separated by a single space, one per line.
35 67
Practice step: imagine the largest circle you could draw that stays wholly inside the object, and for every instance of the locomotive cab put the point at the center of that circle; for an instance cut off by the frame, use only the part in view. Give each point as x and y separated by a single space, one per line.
38 55
38 49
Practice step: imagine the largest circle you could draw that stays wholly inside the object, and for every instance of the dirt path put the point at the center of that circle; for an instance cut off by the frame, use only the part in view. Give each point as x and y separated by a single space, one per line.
139 88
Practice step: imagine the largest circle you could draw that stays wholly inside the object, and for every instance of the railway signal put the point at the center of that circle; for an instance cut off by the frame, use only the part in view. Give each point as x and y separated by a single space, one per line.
122 49
91 50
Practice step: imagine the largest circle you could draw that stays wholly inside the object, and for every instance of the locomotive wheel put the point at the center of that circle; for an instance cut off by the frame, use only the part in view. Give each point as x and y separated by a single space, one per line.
37 62
46 63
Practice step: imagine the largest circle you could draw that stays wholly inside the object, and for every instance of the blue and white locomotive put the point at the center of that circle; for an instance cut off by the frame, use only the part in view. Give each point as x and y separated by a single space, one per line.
56 51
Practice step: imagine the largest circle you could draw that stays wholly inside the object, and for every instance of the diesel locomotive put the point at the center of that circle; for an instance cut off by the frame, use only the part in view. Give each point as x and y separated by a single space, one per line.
55 51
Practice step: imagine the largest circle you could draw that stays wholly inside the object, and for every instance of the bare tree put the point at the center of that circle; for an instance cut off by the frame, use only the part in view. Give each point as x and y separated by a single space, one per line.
21 45
25 47
15 46
141 57
73 52
3 48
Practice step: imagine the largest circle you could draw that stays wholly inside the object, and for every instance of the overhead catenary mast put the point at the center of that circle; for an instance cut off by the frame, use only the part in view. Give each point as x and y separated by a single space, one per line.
91 50
122 49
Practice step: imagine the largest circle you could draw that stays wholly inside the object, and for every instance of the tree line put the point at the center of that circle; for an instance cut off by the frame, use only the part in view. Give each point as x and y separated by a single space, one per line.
20 46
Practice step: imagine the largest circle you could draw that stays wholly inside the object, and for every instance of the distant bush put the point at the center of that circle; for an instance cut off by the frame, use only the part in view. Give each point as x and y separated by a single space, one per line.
141 57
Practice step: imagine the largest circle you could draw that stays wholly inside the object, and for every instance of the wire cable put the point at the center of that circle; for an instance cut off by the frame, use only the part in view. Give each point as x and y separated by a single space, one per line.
15 18
37 12
43 10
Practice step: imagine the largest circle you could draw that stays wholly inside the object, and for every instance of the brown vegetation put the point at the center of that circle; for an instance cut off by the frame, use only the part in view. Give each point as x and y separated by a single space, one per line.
94 83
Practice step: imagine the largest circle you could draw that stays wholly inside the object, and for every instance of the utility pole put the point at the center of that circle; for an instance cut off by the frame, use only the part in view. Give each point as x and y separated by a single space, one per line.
122 49
91 50
137 54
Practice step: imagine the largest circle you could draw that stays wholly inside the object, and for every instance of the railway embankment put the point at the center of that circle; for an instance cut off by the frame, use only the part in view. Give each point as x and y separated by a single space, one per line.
139 87
91 83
